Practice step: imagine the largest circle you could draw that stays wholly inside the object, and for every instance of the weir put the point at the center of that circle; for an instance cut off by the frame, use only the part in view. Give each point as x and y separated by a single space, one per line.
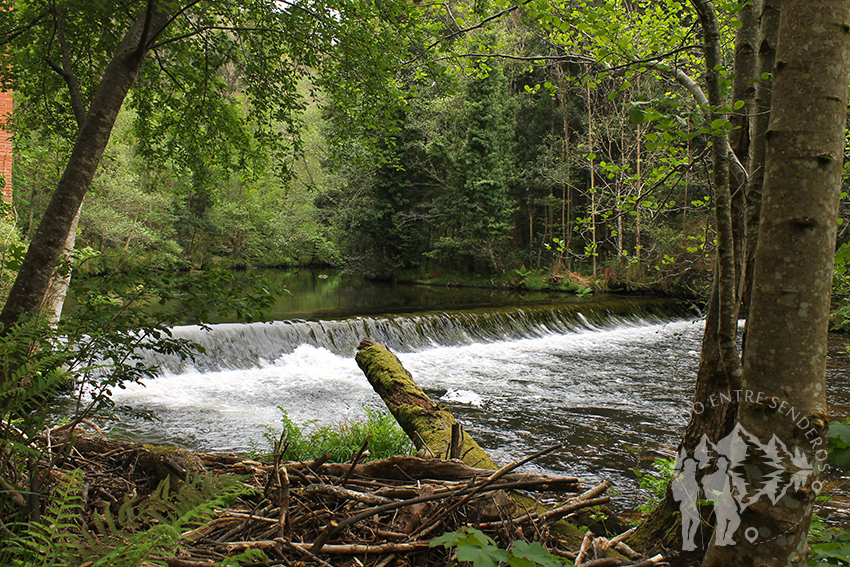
612 380
243 346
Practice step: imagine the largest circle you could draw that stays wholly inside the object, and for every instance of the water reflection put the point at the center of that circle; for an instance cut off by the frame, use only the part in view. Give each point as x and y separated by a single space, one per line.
330 294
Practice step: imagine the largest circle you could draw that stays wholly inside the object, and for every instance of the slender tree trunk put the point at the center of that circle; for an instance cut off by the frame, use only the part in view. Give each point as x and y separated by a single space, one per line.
719 368
565 189
743 90
787 336
28 292
726 273
592 181
639 196
57 291
768 33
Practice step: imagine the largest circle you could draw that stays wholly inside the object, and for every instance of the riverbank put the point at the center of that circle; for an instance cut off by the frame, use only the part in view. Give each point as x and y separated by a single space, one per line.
119 502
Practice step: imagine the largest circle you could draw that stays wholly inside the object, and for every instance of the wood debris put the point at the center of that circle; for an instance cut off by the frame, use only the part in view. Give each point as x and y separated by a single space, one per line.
377 514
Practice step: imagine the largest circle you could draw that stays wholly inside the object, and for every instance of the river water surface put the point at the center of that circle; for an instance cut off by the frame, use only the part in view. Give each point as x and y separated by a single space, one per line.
612 378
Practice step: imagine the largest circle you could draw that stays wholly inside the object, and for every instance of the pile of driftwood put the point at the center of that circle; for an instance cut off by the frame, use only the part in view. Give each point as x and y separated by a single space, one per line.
379 513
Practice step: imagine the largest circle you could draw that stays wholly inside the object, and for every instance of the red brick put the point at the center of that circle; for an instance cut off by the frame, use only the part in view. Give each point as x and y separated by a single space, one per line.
6 144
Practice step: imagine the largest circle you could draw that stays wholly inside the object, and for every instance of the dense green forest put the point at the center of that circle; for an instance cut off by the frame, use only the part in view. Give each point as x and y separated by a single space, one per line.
551 144
580 144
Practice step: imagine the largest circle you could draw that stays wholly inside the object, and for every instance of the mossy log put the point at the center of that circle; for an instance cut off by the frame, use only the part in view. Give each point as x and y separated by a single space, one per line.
426 423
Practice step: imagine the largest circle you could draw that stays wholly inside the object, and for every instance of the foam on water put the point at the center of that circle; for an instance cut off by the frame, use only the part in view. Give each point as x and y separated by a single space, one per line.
462 397
233 407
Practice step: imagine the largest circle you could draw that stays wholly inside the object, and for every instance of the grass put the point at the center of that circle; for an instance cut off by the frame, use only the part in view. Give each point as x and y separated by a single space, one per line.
305 442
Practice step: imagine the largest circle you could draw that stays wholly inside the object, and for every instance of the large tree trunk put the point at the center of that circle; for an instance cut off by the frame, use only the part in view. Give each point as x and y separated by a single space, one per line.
28 292
785 360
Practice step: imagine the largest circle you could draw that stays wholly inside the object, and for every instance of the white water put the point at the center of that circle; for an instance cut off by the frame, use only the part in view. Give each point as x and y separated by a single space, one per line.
606 392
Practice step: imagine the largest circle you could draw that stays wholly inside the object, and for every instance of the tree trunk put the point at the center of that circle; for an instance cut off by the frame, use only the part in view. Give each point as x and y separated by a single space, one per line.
726 274
714 404
28 292
428 426
743 90
57 291
785 359
768 32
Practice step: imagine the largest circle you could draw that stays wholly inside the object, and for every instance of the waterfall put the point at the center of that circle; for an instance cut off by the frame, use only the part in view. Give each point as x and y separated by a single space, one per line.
242 346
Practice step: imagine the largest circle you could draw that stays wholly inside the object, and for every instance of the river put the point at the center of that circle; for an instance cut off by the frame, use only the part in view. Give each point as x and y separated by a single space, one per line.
612 378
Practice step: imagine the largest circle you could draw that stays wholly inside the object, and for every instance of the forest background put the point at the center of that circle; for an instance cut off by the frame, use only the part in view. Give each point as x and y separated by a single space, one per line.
550 146
564 144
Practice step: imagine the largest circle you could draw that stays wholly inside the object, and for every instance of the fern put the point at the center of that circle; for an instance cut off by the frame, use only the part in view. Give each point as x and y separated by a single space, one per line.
56 537
154 525
126 537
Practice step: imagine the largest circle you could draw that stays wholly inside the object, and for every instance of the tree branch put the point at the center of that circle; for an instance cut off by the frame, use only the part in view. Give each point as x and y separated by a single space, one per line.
654 59
143 39
699 95
203 29
176 15
67 73
530 57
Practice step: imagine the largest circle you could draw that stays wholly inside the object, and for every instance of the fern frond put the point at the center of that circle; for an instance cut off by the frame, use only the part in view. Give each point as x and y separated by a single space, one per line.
154 525
56 539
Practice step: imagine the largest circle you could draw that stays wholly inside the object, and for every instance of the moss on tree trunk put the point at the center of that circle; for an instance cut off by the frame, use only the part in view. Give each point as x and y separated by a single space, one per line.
425 422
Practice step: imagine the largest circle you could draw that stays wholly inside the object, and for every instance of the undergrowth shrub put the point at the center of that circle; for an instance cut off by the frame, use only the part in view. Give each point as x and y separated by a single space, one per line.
656 482
306 442
99 345
136 531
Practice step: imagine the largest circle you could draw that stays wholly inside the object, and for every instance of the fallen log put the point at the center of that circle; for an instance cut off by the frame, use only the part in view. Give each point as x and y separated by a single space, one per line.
416 468
427 424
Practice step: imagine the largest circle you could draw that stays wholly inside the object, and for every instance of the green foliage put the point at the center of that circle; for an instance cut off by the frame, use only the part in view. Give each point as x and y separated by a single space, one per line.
583 291
840 317
12 250
34 362
125 535
99 345
56 537
342 441
831 546
831 549
656 482
839 444
473 546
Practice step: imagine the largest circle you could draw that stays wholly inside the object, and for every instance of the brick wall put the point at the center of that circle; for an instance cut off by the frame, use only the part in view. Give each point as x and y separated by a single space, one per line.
6 145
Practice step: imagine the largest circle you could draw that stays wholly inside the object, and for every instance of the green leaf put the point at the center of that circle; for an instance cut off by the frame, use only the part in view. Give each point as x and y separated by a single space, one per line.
535 553
839 431
487 556
449 539
636 115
